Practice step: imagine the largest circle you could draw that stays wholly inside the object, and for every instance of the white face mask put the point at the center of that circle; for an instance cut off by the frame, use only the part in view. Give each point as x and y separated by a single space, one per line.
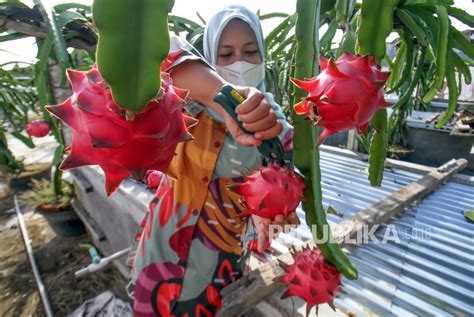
242 73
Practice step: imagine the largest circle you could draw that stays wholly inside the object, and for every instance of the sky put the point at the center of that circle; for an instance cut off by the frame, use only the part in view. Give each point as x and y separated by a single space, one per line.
25 49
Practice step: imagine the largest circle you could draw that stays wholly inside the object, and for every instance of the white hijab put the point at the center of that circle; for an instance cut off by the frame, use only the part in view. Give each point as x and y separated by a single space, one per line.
215 26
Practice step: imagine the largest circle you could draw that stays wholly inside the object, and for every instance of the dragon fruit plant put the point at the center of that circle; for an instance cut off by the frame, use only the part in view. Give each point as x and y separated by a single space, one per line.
125 115
314 276
133 43
102 135
345 95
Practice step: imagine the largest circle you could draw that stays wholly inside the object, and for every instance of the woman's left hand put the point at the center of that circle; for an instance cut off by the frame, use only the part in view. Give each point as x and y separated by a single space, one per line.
257 115
262 225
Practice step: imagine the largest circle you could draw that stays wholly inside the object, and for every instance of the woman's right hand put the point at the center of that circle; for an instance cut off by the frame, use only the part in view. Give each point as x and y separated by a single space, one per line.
256 114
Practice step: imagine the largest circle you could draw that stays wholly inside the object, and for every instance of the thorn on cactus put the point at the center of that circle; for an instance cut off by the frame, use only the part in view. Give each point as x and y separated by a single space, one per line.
282 264
293 250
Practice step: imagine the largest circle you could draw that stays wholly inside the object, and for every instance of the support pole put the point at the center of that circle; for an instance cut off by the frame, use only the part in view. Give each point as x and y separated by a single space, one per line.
31 258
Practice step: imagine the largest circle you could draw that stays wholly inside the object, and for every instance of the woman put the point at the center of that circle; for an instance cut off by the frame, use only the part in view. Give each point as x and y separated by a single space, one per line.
193 237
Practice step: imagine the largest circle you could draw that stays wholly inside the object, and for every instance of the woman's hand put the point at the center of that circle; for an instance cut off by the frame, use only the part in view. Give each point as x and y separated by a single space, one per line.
262 225
257 115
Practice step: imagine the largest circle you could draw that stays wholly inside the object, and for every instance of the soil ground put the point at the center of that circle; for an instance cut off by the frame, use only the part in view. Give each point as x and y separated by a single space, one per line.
58 258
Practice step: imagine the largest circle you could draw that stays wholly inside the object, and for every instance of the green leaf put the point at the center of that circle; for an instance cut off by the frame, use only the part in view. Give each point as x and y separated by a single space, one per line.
329 35
49 15
201 18
57 182
178 19
41 83
44 53
15 3
462 16
408 62
58 153
378 148
469 214
11 36
414 82
283 36
453 93
348 43
272 15
15 62
441 53
428 21
283 45
281 28
333 211
132 47
69 16
327 5
376 25
71 5
460 42
8 162
411 24
341 12
429 2
26 140
461 66
396 70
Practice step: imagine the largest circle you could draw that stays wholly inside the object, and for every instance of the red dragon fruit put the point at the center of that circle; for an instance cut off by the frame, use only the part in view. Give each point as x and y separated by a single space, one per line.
38 128
271 191
311 278
345 95
153 178
102 135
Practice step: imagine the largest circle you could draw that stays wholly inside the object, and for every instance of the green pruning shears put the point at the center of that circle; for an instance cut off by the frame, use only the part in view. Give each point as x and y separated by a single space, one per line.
229 99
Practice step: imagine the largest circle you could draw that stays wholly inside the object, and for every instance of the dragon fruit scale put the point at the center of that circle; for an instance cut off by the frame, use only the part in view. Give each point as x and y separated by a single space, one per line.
271 190
102 135
311 278
38 128
345 95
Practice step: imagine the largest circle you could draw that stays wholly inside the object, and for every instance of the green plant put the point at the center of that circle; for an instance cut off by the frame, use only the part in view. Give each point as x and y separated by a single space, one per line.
17 103
42 192
143 42
306 154
26 90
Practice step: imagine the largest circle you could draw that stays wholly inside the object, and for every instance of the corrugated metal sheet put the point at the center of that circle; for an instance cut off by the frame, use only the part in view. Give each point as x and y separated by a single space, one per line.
428 272
346 188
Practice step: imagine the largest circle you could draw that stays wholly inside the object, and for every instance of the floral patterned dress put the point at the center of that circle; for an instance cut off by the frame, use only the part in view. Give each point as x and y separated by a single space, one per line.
193 236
